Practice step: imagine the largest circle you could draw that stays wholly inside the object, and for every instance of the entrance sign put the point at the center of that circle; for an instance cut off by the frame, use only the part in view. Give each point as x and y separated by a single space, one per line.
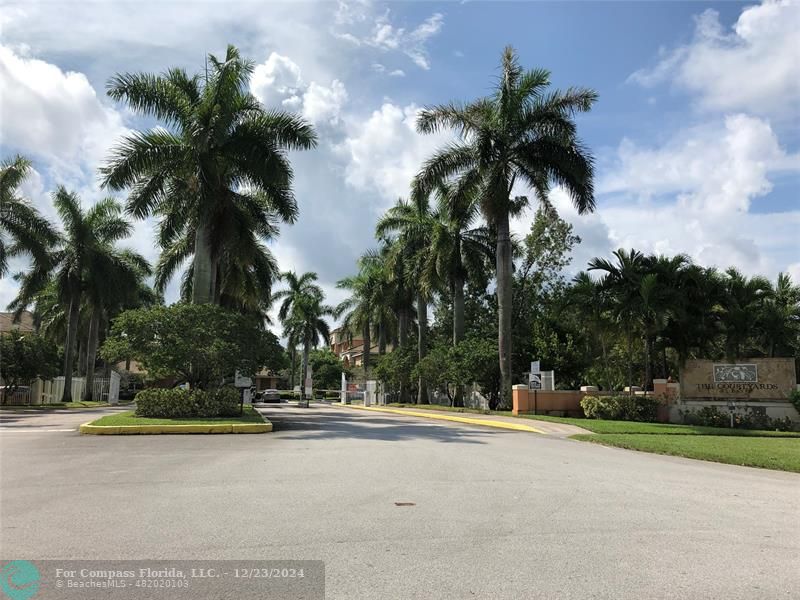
535 382
754 379
240 381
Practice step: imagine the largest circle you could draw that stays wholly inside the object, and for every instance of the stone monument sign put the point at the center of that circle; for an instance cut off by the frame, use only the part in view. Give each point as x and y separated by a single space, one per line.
747 379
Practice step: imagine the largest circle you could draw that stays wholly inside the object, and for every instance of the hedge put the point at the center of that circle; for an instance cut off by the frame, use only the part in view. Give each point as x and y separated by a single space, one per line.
177 403
621 408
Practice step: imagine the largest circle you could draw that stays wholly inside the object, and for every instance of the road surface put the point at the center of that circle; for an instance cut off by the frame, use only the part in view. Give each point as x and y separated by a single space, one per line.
483 513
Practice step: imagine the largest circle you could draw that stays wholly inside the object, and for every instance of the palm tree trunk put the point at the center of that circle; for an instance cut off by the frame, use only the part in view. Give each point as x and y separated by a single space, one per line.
306 352
422 346
365 334
82 345
504 307
91 354
458 329
647 366
402 342
204 276
69 346
381 339
293 367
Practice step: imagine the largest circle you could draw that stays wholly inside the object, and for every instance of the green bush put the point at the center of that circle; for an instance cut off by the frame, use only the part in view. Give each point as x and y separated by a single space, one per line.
621 408
176 403
794 398
711 416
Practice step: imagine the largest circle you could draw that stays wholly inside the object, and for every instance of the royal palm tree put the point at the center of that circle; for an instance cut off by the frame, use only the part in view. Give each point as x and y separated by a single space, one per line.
22 228
299 289
523 134
358 309
413 223
219 157
246 269
84 253
308 325
114 279
458 251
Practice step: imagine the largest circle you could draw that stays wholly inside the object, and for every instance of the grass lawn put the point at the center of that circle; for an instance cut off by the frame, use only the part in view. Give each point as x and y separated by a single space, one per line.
58 405
765 452
250 415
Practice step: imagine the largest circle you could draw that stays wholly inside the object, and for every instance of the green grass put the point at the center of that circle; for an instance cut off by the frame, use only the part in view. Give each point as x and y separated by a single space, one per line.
765 452
250 415
632 427
58 405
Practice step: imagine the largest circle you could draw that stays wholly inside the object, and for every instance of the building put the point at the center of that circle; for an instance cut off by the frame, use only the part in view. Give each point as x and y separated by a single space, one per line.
350 348
24 324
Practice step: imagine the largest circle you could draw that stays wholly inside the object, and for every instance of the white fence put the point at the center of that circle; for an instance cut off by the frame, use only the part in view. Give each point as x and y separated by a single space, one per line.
50 391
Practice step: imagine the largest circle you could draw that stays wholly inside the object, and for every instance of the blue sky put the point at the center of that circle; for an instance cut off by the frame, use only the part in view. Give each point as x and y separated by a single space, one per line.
695 133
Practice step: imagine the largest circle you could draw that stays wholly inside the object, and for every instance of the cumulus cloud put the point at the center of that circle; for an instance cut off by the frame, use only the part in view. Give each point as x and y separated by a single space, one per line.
754 67
716 168
53 114
384 152
279 81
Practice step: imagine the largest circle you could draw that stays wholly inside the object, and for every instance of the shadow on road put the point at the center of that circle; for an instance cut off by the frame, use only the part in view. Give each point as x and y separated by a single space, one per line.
321 422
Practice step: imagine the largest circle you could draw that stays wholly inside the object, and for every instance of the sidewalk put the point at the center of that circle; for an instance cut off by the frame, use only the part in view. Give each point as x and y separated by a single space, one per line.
497 421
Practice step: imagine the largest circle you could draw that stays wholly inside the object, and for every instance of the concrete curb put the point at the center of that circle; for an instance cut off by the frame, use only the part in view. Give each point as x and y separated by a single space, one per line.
467 420
89 429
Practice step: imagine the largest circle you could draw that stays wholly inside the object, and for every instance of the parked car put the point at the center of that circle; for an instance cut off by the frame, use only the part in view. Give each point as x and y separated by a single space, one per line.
269 395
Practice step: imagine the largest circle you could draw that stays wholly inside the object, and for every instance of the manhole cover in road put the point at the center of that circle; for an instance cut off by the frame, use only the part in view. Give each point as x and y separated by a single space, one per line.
405 504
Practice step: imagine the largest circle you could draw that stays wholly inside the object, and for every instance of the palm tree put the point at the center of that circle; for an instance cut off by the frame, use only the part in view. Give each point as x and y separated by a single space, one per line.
246 269
521 133
623 281
298 290
413 224
219 158
20 223
114 280
308 325
457 252
780 319
593 304
740 309
84 254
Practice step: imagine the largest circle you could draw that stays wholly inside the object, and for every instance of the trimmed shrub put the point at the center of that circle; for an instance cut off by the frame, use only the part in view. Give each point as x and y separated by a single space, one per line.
621 408
176 403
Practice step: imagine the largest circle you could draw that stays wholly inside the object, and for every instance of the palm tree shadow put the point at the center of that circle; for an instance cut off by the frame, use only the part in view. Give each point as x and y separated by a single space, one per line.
320 424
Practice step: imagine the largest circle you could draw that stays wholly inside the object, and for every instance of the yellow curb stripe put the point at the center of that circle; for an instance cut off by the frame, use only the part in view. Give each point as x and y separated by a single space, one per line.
89 429
467 420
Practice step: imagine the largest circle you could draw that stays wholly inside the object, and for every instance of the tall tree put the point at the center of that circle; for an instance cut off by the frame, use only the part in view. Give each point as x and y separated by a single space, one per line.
413 223
740 310
523 134
84 253
220 157
302 314
22 228
359 308
458 251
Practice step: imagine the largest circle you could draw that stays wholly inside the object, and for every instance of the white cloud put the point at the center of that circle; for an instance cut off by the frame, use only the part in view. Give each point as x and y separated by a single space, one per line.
379 31
56 115
279 80
716 168
384 152
755 67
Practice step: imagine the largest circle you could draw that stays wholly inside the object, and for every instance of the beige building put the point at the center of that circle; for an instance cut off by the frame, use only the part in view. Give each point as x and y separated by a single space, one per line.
24 324
350 348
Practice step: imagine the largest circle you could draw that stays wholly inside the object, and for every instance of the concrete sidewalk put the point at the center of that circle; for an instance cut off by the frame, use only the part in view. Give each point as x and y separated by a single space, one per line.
498 421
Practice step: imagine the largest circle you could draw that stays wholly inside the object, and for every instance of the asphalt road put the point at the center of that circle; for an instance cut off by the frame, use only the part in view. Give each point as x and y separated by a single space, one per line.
495 514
